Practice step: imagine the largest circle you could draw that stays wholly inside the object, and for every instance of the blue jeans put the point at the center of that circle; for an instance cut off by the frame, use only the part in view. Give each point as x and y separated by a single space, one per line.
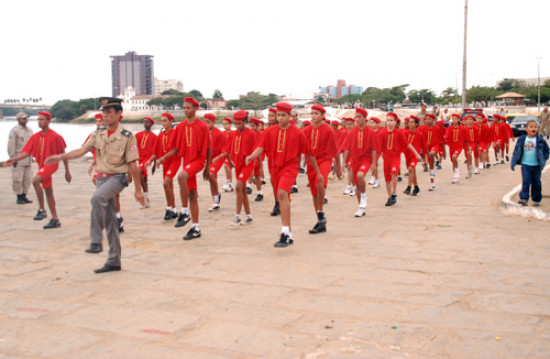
530 176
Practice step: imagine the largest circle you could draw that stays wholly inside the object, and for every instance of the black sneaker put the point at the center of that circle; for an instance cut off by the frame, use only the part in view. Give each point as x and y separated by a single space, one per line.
248 190
325 200
259 198
276 210
40 215
183 219
302 171
284 241
318 228
507 158
415 191
168 215
20 199
399 178
523 202
438 166
263 181
119 222
192 234
54 223
294 189
407 190
488 166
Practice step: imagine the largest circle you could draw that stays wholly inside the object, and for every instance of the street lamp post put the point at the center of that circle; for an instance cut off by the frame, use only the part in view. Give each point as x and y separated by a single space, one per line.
464 58
538 85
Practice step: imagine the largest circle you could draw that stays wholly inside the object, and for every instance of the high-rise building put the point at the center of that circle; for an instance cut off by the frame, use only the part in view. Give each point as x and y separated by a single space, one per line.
341 89
162 85
132 70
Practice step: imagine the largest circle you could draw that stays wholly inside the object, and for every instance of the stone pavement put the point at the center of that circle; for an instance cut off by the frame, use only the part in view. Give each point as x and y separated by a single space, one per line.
443 275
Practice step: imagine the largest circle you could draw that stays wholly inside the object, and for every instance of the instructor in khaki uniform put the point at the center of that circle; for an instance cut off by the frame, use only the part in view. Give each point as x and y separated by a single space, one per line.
21 172
117 154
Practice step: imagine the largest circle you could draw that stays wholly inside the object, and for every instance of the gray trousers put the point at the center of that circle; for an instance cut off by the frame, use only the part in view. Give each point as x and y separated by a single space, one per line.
21 177
104 214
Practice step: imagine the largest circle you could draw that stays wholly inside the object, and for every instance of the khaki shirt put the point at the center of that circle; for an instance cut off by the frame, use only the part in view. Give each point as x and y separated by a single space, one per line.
545 116
113 154
19 136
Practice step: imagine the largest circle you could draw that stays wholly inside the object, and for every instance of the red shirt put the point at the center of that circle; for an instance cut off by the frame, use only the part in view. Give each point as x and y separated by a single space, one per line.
392 143
344 133
499 132
455 136
42 146
240 144
434 135
146 145
283 147
192 140
321 142
416 139
360 144
162 144
471 135
217 141
509 132
483 133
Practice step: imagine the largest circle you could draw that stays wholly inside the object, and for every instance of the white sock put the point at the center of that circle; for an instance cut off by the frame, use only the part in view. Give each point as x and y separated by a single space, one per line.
196 226
118 215
184 210
249 215
261 192
285 230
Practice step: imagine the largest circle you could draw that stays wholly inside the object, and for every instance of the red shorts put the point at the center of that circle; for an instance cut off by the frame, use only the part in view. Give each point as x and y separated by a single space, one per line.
215 167
411 159
324 168
142 166
361 167
455 150
243 172
226 162
46 173
482 147
170 168
435 148
257 167
391 167
192 169
284 178
500 142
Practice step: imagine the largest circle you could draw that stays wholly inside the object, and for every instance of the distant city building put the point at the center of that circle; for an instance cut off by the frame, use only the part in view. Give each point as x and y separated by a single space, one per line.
535 81
217 104
341 89
162 85
134 102
132 70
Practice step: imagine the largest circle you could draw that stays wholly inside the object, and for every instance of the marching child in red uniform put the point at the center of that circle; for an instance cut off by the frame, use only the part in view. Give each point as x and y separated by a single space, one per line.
509 135
322 144
434 141
456 139
283 144
471 145
257 126
417 140
361 147
499 138
392 143
192 142
170 167
350 124
374 123
484 141
228 186
41 145
146 148
217 143
238 147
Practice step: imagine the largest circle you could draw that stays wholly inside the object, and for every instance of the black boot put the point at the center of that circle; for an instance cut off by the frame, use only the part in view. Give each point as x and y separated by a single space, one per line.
276 210
20 199
25 199
407 190
319 228
415 191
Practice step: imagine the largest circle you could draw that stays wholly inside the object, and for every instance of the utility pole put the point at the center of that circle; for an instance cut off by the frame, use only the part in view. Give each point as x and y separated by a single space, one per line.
538 84
464 58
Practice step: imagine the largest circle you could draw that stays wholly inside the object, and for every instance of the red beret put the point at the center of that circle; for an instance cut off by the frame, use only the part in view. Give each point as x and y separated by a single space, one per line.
375 119
284 107
361 111
228 120
149 118
455 115
349 119
210 116
468 117
406 119
240 115
327 121
335 123
318 108
485 120
413 117
192 101
272 110
98 116
168 116
306 122
46 114
292 121
391 114
256 121
430 115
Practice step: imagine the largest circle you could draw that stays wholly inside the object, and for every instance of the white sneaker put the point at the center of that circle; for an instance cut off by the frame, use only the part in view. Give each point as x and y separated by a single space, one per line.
364 202
372 179
476 171
432 187
236 221
360 212
228 188
147 202
376 184
348 190
353 191
247 221
214 207
224 187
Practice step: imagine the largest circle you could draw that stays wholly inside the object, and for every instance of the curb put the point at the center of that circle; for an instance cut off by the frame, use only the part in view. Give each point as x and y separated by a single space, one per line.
511 208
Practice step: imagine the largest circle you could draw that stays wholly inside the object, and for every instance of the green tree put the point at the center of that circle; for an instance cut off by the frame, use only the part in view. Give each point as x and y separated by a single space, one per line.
321 100
510 84
195 93
234 104
217 95
172 92
480 93
417 96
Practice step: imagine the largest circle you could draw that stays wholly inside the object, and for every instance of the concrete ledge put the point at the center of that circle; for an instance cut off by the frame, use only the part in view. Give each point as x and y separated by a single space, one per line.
513 208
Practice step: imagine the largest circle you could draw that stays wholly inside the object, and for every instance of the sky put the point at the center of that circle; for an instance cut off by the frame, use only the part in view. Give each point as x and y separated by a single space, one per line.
60 49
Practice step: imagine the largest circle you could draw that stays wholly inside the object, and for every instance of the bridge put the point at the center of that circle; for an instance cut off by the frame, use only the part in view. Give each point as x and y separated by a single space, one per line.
23 105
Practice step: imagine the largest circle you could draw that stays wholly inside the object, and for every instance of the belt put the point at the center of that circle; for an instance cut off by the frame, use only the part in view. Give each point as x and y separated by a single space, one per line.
106 174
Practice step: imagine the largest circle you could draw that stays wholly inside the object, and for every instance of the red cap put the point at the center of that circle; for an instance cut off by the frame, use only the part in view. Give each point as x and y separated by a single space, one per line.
46 114
350 119
272 110
413 117
306 122
240 115
406 119
256 121
284 107
192 101
485 120
468 117
375 119
361 111
327 121
430 115
150 119
210 116
392 114
335 123
228 120
168 116
98 116
292 121
318 108
455 115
